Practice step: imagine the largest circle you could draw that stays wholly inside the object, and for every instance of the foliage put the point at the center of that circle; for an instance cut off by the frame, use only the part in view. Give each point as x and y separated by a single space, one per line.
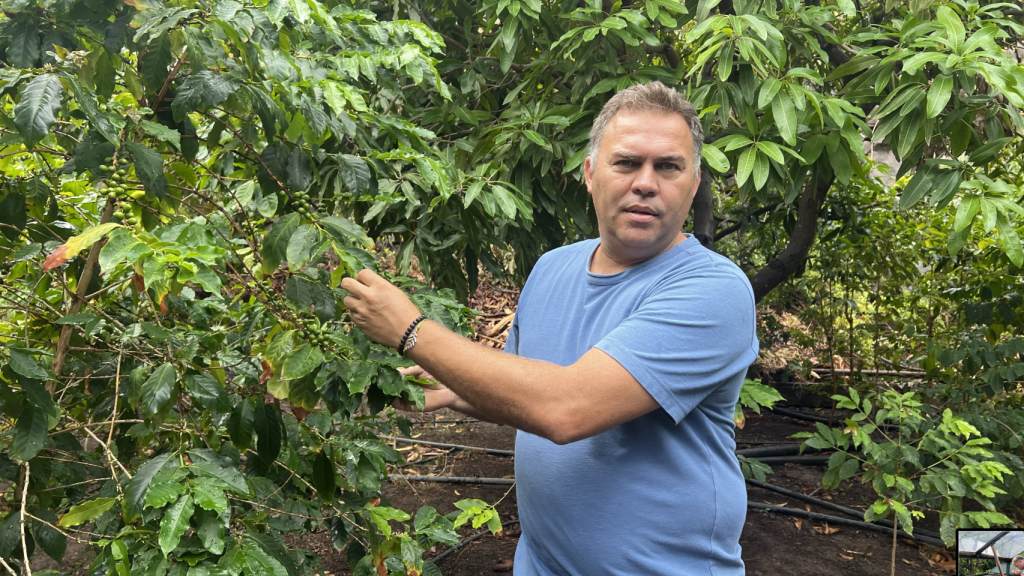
202 393
924 462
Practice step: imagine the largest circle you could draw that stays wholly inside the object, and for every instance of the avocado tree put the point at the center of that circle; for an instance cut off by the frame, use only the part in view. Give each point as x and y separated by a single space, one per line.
790 94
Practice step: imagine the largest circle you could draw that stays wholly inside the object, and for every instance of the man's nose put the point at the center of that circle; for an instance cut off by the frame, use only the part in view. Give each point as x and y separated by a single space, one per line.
646 182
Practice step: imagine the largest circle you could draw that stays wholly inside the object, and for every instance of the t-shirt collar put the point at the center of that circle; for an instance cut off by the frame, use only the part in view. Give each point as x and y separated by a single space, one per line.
617 277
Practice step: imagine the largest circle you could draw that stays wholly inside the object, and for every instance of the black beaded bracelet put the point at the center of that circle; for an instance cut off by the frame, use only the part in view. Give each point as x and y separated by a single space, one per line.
408 332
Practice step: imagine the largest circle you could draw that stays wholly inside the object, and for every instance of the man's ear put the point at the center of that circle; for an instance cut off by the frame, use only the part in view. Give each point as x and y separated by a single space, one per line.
588 174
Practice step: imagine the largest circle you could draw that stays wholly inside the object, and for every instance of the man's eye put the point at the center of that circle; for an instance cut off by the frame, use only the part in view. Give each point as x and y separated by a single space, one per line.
669 166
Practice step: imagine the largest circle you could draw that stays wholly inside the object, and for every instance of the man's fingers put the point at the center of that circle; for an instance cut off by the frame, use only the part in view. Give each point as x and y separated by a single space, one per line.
352 286
367 277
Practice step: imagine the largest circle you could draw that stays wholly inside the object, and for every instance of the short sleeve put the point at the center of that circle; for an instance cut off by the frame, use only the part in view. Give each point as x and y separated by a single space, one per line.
687 337
512 340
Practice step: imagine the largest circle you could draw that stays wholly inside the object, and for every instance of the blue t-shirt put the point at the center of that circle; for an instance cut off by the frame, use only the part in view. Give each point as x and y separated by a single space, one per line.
662 494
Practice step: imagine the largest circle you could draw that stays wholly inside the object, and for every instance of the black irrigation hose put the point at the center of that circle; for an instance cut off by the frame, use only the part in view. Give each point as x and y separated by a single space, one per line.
816 418
454 479
802 460
457 446
461 421
472 538
830 506
781 450
838 521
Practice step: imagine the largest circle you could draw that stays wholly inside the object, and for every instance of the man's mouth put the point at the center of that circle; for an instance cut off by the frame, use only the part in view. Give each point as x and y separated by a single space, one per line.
641 212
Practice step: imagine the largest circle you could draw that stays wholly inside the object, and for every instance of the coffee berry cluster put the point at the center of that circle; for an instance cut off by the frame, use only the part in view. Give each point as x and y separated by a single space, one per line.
301 201
116 178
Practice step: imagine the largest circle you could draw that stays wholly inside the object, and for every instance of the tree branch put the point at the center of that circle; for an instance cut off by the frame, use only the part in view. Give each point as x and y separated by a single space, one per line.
704 211
800 242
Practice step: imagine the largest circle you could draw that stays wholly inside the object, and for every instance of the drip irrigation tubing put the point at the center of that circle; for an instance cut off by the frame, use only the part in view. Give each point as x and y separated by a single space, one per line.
839 521
454 479
457 446
815 417
924 536
787 449
802 460
829 505
472 538
777 450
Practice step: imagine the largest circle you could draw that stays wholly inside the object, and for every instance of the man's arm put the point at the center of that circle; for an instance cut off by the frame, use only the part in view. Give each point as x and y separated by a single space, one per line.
561 403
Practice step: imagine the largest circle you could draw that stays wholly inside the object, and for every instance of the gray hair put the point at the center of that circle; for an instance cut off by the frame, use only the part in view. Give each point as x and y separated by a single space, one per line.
655 97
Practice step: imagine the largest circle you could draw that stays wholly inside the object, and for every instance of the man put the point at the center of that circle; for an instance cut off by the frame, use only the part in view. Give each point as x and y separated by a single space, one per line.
1018 566
627 355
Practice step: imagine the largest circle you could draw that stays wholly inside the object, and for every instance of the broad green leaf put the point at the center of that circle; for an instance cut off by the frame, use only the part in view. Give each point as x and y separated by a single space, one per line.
51 540
301 246
23 43
240 425
136 488
355 173
954 27
715 158
302 361
158 390
938 95
745 165
120 248
1009 239
257 561
207 391
98 120
769 88
987 151
267 424
784 113
86 511
918 186
342 228
162 494
243 194
505 201
760 173
25 365
228 475
29 433
324 479
149 167
275 245
772 150
162 133
965 213
35 112
211 530
174 523
209 496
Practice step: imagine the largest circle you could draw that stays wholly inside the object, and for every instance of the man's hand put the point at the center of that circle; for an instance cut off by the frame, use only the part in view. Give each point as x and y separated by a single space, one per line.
438 395
382 311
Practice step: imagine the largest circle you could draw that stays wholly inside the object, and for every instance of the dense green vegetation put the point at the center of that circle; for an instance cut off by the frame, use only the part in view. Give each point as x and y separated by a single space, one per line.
185 183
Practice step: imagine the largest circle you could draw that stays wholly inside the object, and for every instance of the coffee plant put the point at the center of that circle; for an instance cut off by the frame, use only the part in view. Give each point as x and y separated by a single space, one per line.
180 385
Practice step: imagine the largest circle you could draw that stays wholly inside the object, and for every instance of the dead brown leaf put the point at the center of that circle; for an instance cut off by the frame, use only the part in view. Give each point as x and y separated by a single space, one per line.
826 530
845 557
799 524
908 562
503 566
268 371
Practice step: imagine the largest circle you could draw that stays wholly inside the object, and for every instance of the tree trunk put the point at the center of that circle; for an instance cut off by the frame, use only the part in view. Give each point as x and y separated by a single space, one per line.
800 242
704 223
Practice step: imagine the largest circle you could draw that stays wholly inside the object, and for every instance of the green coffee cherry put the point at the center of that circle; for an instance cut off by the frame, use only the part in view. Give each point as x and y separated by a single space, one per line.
118 215
133 221
112 195
123 161
122 172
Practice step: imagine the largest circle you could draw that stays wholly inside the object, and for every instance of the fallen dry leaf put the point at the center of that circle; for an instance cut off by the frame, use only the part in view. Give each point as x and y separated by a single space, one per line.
457 493
268 371
905 561
844 556
854 552
826 530
779 505
503 566
799 524
809 507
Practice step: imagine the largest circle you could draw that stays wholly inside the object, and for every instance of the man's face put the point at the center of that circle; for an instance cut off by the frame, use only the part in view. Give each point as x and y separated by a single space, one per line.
642 181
